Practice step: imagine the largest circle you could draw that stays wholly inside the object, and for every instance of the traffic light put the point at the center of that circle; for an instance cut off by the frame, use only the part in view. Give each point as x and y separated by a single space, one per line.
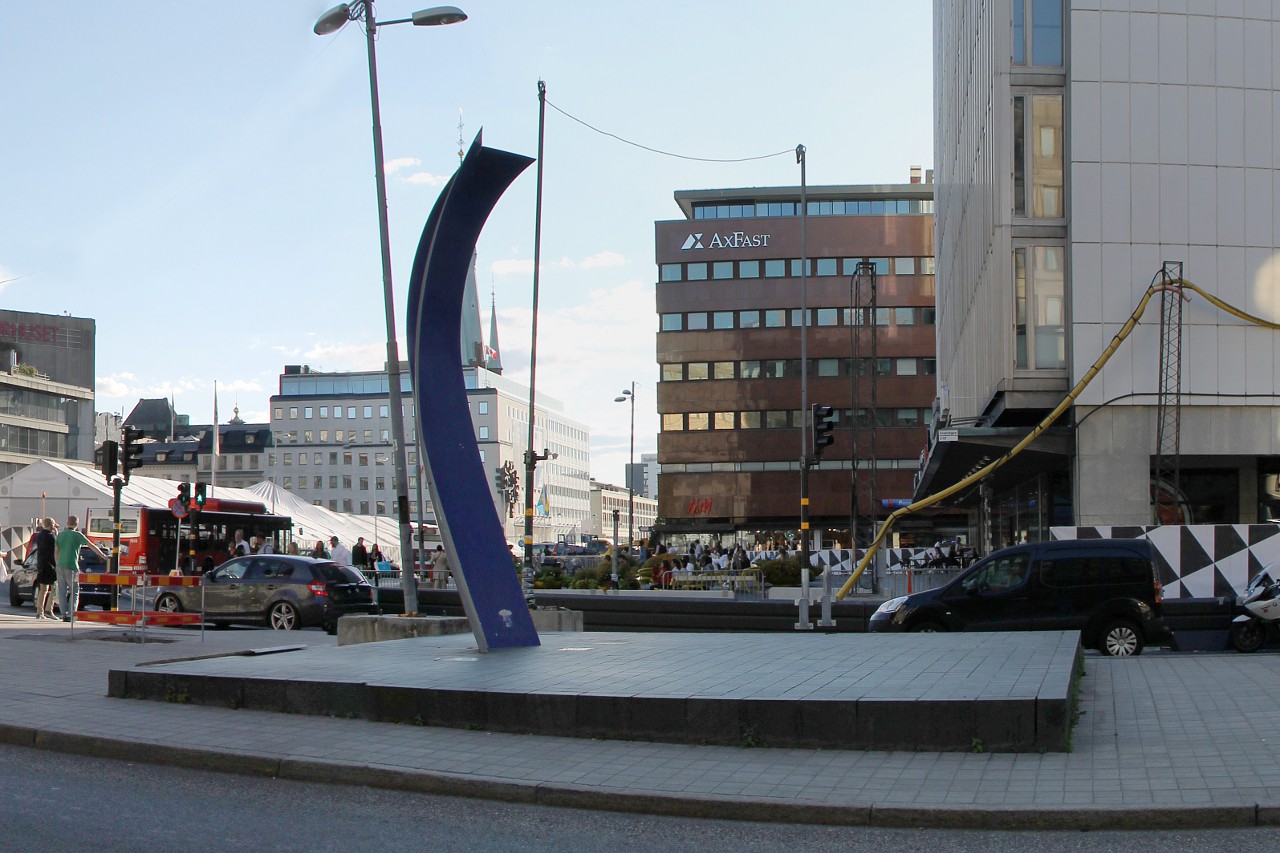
184 494
824 421
500 481
110 459
131 451
200 495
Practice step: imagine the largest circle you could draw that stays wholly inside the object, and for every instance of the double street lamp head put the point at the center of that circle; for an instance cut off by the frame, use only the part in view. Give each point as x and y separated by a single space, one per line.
337 17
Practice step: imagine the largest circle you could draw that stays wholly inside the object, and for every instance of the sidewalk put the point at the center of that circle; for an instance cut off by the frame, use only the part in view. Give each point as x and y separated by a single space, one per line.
1164 740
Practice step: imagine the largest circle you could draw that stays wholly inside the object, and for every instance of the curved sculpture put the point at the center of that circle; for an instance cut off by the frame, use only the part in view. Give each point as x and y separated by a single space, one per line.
469 525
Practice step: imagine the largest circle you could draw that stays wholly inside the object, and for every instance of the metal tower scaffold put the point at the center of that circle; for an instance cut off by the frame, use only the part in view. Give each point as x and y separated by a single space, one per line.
864 375
1166 487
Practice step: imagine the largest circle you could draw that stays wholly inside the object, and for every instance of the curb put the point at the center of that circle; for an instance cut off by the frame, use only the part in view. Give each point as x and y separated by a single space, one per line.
692 806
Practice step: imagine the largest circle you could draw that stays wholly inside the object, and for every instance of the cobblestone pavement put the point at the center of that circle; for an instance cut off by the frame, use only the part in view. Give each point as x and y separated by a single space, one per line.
1163 740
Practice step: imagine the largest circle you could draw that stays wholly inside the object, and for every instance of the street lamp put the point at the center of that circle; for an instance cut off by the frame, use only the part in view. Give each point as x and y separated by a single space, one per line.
330 22
631 456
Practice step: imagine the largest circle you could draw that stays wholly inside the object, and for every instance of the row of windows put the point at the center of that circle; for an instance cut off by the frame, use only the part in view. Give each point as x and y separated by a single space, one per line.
236 462
789 368
784 465
37 405
364 384
308 412
781 318
317 458
793 419
339 436
33 442
792 268
348 483
832 207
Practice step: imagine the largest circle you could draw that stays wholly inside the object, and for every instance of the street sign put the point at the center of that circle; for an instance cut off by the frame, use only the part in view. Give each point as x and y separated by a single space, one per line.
948 435
177 508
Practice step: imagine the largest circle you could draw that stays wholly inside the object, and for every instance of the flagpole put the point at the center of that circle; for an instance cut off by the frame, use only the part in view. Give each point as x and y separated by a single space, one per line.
217 444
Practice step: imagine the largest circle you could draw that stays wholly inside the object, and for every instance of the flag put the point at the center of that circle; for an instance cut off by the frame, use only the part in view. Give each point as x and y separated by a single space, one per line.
543 506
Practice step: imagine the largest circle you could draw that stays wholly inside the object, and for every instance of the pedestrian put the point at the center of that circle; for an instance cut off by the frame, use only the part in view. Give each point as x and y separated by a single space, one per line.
66 549
293 548
440 569
264 545
375 556
240 548
340 553
318 551
359 554
46 568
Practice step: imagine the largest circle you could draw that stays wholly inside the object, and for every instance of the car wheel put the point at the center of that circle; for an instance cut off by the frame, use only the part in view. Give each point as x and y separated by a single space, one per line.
283 616
1120 639
14 598
927 628
1248 636
168 603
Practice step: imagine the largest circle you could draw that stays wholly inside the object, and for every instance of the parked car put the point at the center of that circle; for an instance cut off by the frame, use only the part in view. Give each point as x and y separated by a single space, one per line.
281 591
1107 589
22 584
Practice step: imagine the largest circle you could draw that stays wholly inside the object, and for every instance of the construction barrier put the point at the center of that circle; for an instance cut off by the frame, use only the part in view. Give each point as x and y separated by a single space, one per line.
138 615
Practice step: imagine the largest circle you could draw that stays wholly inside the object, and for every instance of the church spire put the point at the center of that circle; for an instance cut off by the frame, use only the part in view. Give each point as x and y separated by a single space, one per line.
492 355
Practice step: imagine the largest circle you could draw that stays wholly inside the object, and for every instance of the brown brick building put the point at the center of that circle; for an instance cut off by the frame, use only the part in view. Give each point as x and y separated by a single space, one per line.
730 397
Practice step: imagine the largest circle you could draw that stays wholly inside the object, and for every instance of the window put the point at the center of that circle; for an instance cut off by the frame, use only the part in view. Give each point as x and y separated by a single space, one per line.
293 413
278 413
484 433
697 322
302 458
697 370
775 269
368 412
723 369
324 411
337 412
673 423
351 413
1044 47
750 370
308 436
670 272
929 316
699 421
748 269
774 368
827 316
929 366
797 318
384 410
723 420
364 487
672 322
904 316
828 367
904 367
748 319
722 319
826 266
1037 156
333 456
348 458
288 459
904 266
722 269
775 318
672 372
1039 342
927 266
797 267
777 420
317 482
749 420
306 412
697 272
483 407
324 436
882 316
881 265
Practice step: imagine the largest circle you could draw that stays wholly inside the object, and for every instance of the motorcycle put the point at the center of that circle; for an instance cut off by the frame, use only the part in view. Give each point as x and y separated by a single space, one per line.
1260 620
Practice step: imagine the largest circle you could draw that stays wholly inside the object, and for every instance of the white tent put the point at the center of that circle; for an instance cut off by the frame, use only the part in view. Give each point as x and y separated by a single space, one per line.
60 489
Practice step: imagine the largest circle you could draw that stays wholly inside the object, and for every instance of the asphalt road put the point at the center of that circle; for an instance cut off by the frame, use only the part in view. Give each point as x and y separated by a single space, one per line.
53 802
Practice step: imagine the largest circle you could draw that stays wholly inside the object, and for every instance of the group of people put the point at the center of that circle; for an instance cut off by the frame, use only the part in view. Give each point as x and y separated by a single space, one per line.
716 558
57 564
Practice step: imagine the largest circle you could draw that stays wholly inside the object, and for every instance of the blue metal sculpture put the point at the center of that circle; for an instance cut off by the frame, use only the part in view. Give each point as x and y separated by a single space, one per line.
473 535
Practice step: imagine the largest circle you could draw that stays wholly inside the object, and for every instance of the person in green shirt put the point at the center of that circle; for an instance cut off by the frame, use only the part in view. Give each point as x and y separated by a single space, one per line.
66 550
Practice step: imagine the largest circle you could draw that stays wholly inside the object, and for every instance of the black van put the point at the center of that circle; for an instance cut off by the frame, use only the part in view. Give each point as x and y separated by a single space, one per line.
1105 588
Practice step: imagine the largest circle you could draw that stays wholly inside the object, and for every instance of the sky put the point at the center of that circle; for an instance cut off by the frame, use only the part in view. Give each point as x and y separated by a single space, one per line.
199 180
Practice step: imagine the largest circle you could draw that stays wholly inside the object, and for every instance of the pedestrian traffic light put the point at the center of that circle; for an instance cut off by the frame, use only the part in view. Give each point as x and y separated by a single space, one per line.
824 421
184 494
200 495
110 459
131 451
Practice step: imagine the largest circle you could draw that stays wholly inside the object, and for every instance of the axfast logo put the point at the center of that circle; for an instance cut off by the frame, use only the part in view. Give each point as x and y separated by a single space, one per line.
732 240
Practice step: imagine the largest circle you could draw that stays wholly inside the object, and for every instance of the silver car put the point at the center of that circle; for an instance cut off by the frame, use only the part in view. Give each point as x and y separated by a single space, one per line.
281 591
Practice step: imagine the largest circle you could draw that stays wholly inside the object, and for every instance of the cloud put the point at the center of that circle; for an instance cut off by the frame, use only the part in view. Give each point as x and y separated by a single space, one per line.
425 179
603 259
393 166
118 385
371 356
524 266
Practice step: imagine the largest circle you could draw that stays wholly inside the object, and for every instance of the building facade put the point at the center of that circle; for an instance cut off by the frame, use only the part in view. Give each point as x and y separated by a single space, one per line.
635 513
332 446
1079 147
46 389
733 390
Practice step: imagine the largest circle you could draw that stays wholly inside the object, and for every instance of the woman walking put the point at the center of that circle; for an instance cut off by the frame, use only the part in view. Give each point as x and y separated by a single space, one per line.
46 569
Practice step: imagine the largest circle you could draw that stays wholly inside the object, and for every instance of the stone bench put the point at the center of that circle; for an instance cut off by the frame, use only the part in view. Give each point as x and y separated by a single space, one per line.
361 628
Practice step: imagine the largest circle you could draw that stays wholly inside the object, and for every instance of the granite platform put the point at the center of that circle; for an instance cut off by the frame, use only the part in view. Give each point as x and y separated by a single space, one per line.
990 692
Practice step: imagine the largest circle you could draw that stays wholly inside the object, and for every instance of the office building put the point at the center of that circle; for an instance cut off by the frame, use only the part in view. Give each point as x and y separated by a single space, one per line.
1080 147
732 393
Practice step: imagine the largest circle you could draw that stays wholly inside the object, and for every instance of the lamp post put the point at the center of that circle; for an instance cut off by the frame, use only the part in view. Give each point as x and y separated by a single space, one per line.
330 22
630 395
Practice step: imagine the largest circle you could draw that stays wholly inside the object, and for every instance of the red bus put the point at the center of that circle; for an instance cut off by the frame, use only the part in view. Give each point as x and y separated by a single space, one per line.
152 539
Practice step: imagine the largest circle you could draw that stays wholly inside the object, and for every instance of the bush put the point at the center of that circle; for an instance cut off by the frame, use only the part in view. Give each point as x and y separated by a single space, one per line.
550 578
784 572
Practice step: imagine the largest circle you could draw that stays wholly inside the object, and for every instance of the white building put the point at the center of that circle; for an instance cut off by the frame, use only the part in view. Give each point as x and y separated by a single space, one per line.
635 512
1079 145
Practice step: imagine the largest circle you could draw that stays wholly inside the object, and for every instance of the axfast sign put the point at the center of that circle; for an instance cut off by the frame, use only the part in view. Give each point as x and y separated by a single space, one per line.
732 240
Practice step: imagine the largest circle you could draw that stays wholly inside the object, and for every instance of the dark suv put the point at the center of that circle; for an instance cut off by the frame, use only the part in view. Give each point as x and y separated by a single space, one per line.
1105 588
